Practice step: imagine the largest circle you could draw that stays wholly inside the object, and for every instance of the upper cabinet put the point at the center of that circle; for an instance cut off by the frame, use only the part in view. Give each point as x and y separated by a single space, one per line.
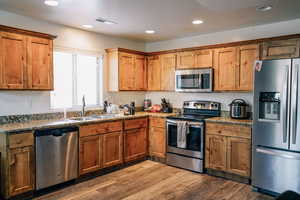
204 58
154 73
127 70
280 49
233 67
40 63
13 61
168 63
185 60
26 60
225 68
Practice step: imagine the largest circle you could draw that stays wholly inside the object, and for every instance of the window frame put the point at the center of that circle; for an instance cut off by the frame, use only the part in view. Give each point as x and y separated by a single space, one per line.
99 79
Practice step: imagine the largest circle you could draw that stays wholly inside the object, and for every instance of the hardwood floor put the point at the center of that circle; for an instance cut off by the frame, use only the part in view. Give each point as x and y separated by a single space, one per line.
154 181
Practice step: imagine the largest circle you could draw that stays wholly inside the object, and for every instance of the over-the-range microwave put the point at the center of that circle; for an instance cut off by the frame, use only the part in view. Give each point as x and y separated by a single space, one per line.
198 80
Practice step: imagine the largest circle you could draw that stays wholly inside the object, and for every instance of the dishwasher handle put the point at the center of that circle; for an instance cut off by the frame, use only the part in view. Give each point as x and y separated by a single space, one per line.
57 132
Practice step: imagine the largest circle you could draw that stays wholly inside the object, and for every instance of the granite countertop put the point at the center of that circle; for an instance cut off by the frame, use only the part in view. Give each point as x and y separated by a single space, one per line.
56 123
228 120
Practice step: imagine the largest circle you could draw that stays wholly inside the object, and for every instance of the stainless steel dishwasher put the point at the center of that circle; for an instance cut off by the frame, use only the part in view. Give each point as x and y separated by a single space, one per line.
56 156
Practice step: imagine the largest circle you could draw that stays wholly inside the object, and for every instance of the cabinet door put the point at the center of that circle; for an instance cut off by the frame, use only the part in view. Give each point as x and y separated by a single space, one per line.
281 49
21 170
215 152
112 149
246 58
185 60
12 61
157 142
90 154
168 63
204 58
225 68
238 156
126 71
40 63
154 73
135 144
140 73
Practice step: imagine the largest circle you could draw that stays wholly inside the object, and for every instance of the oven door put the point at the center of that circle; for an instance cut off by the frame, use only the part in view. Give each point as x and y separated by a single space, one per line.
194 141
193 80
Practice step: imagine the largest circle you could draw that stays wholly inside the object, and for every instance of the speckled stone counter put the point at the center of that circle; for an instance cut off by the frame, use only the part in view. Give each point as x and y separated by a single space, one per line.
55 123
228 120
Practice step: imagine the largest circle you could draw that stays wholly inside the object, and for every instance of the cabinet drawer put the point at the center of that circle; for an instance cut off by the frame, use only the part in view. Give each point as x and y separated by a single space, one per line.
21 140
106 127
228 130
157 122
135 123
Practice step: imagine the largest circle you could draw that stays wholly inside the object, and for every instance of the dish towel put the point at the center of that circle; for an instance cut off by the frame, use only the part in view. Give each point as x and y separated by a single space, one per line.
182 132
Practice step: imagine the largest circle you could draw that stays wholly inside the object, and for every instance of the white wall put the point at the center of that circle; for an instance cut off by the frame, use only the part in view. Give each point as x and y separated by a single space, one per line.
269 30
27 102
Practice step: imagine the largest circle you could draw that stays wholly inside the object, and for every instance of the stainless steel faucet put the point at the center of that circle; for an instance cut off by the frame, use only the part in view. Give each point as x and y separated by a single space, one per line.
83 106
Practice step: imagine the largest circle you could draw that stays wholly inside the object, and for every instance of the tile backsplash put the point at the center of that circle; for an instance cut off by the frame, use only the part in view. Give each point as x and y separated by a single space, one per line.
176 99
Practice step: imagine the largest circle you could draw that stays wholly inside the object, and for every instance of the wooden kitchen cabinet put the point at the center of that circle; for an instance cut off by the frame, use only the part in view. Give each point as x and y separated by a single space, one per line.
26 60
238 156
112 149
17 163
203 58
228 148
168 63
40 63
185 60
13 61
216 152
154 73
21 170
225 68
140 73
277 49
157 137
127 70
135 144
90 154
246 57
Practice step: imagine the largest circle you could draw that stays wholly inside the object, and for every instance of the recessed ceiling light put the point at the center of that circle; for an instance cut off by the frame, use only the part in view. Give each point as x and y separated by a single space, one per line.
264 8
51 2
197 21
87 26
150 31
109 22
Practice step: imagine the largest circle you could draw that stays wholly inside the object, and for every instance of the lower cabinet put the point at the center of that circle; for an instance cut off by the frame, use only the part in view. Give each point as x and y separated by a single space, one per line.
21 170
112 149
228 149
157 137
135 144
90 154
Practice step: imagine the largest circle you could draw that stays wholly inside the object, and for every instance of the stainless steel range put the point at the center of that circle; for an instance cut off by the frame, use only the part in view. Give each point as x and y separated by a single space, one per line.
185 134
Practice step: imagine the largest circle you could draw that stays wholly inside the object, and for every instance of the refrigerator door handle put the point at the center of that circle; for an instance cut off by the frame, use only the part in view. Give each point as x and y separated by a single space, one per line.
295 107
282 154
284 107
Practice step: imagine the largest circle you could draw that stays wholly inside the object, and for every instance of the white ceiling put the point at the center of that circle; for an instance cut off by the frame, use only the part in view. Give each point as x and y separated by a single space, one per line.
169 18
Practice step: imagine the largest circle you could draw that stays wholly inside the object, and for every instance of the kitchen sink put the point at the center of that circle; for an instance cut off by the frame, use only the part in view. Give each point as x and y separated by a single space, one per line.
83 118
105 116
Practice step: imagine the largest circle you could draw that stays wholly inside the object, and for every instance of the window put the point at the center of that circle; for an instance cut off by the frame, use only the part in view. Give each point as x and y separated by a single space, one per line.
75 76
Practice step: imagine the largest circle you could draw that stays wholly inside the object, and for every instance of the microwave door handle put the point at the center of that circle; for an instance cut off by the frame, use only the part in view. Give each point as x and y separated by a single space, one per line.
200 81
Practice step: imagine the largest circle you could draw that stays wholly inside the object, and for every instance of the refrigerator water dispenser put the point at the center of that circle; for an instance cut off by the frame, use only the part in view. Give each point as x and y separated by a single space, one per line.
269 106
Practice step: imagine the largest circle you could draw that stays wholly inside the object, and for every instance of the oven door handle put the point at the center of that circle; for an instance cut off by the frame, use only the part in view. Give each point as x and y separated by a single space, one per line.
191 124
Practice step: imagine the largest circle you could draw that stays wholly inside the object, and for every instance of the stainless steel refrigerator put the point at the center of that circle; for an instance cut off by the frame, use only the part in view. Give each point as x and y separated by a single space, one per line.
276 126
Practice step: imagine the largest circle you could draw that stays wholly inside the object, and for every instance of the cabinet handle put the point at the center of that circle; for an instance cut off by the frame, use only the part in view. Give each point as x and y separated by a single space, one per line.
13 161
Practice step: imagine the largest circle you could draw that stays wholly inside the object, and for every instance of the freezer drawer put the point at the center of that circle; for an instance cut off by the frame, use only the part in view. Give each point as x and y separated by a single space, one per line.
276 170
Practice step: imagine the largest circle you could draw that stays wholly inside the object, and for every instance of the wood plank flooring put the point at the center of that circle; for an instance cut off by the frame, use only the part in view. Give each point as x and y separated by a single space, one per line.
154 181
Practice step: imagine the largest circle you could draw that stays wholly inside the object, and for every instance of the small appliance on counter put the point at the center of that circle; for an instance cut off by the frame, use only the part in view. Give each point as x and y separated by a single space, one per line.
147 105
166 106
239 109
